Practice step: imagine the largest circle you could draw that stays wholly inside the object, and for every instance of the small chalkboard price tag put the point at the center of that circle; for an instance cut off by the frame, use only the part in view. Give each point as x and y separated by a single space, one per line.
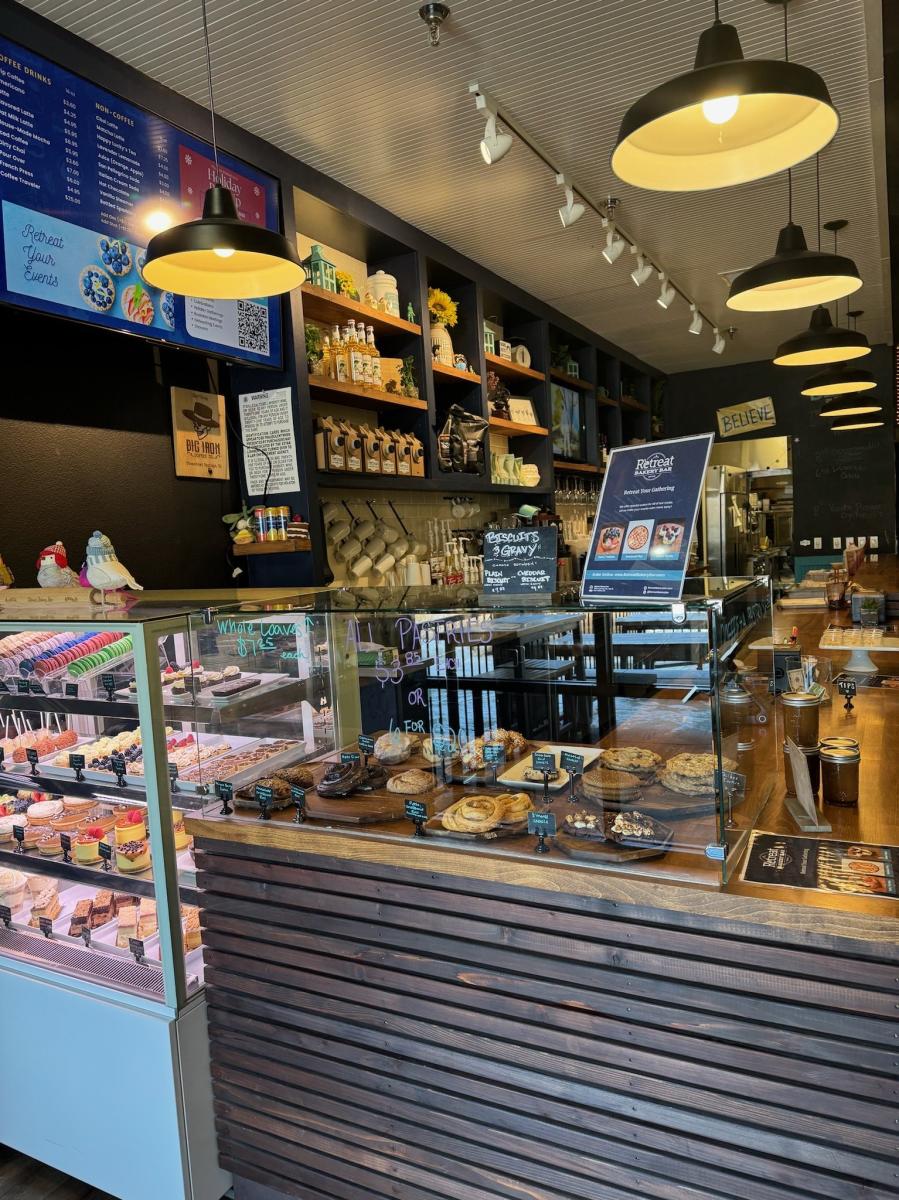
22 687
36 688
65 842
543 760
173 777
298 796
734 784
105 851
2 756
136 946
107 683
349 756
848 688
117 761
543 825
46 926
225 792
6 915
71 691
264 796
494 756
18 832
32 755
86 936
417 813
366 744
574 765
76 764
4 690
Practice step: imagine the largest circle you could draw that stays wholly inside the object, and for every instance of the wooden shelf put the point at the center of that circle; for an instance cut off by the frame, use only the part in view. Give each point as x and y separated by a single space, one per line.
630 402
512 370
360 397
446 372
581 468
331 309
292 546
514 429
606 401
571 381
359 479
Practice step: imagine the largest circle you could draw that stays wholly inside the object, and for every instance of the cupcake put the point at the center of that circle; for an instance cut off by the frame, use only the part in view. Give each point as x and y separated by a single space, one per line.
13 885
182 840
49 844
130 826
132 856
86 846
231 673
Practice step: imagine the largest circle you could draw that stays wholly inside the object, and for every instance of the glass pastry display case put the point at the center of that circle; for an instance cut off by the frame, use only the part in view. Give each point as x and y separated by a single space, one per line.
637 738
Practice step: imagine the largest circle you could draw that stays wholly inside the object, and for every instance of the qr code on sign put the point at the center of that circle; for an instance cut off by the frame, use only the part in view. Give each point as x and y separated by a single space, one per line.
252 326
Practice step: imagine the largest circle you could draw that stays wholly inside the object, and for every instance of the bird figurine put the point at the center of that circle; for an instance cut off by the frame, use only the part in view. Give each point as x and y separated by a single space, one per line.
103 570
53 568
7 579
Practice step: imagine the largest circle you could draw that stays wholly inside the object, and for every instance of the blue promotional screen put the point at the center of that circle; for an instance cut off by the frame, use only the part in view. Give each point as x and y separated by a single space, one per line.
86 179
645 521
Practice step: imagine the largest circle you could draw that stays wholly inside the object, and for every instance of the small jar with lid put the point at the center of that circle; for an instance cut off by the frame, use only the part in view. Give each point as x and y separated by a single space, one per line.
839 774
800 717
841 743
814 770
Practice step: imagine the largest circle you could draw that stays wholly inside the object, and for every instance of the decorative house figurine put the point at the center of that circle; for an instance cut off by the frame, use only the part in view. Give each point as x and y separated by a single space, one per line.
320 272
489 340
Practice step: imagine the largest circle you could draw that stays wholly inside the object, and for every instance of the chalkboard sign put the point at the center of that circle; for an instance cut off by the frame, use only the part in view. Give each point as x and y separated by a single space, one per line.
416 810
4 690
543 760
32 756
22 687
520 561
366 743
46 926
542 822
71 690
494 752
349 756
136 946
5 914
573 763
36 688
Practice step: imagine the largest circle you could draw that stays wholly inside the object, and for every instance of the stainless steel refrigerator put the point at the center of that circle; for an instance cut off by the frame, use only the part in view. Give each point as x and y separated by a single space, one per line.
728 525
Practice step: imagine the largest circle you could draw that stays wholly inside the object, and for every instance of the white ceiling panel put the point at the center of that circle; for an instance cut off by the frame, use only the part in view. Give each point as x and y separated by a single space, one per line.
354 90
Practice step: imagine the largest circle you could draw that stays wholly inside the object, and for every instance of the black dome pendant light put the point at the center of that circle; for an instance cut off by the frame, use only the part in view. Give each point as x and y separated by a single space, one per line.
850 405
220 257
728 121
872 422
839 380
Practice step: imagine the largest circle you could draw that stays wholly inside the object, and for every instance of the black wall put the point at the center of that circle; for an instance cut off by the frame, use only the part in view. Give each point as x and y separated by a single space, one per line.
86 443
844 484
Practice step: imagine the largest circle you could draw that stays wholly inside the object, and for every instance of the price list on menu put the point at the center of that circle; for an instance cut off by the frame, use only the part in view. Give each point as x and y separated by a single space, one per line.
86 179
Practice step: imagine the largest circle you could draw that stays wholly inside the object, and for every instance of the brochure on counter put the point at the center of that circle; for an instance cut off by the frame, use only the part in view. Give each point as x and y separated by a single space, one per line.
645 520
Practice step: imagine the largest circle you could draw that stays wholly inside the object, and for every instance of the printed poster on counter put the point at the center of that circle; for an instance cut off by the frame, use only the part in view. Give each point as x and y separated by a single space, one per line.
199 435
851 868
86 179
644 524
270 451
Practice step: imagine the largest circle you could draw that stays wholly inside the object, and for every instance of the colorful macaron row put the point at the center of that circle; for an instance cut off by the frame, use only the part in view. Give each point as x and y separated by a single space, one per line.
69 650
102 657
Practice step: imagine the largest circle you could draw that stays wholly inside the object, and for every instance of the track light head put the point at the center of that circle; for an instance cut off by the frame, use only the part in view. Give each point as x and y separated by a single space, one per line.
719 342
572 210
695 325
615 244
666 292
494 145
643 270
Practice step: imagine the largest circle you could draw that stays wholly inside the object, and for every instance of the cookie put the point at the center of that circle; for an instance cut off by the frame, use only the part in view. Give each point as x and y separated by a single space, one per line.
411 783
644 764
532 775
692 774
609 785
394 747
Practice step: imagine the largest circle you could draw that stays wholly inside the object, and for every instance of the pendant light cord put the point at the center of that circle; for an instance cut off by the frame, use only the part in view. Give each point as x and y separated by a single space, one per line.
786 32
717 17
215 150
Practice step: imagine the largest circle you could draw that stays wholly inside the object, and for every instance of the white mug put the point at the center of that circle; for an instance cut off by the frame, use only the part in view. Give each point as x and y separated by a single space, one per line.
338 531
330 511
389 533
349 549
420 550
375 547
361 566
385 563
400 548
364 528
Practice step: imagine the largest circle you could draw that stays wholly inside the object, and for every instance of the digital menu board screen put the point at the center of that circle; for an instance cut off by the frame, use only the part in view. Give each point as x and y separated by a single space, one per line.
86 179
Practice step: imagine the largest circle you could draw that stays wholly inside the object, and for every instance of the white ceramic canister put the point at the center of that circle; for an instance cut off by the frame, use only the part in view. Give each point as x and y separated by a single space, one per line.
382 286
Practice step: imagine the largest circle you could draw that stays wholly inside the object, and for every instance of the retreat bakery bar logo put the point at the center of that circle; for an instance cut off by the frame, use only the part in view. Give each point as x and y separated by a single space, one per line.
654 466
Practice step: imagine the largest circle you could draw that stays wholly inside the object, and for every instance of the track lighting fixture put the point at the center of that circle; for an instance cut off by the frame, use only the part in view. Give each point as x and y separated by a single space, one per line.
719 342
839 380
572 210
643 270
727 121
615 243
666 292
696 321
494 144
850 406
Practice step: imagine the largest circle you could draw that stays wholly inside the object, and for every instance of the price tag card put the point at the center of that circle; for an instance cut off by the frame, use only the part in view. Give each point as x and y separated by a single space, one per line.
76 762
36 688
71 690
32 755
572 763
264 795
107 683
5 914
734 784
349 756
494 752
3 688
118 764
65 842
848 687
2 755
298 795
105 851
366 743
543 760
173 772
416 810
542 823
18 832
136 946
46 926
224 790
22 687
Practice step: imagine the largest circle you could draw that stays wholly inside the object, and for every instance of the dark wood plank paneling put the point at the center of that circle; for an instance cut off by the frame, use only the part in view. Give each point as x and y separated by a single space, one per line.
402 1034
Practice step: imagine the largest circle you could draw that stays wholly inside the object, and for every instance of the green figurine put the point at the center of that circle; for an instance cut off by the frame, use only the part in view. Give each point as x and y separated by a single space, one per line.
410 312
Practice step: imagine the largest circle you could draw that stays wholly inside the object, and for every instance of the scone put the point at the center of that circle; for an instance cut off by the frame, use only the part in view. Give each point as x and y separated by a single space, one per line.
411 783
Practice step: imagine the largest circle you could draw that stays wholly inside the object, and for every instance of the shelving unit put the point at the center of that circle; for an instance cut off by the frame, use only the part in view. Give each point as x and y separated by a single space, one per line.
294 546
511 370
355 396
329 308
444 371
515 429
578 468
571 381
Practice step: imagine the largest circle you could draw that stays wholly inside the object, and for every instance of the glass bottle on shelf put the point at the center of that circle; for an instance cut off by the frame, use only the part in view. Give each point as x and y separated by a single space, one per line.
355 354
365 351
375 359
341 367
326 356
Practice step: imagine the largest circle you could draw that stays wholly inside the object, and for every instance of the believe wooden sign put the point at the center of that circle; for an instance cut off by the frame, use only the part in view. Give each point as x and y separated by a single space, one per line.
742 418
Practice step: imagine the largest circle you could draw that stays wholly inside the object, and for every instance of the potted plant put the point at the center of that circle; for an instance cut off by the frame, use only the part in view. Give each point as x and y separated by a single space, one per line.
346 286
408 382
870 612
444 314
314 349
